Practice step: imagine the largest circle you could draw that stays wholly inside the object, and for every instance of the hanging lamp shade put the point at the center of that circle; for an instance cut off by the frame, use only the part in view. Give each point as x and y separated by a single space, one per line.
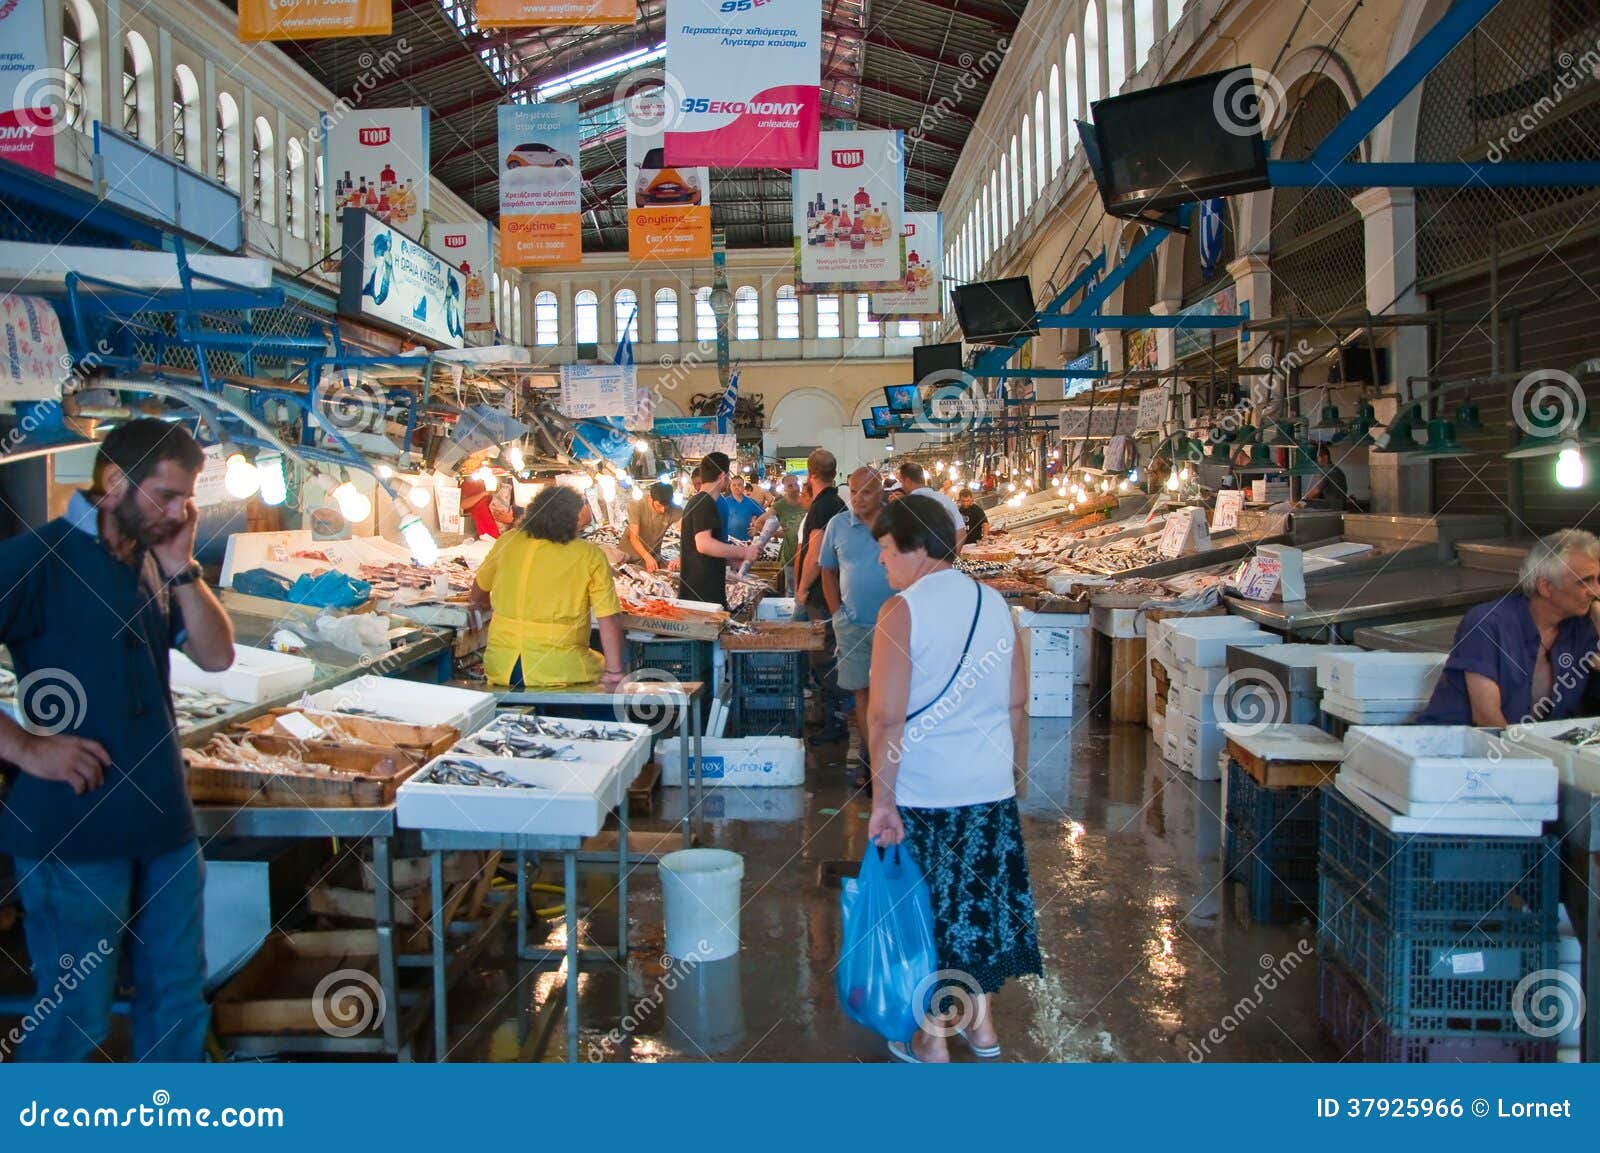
1466 418
1303 460
1261 456
1402 431
1570 435
1329 425
1360 430
1246 435
1442 440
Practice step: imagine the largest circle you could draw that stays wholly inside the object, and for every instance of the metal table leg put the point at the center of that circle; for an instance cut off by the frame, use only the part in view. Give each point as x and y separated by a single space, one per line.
522 904
697 726
441 1030
622 878
684 711
388 974
570 866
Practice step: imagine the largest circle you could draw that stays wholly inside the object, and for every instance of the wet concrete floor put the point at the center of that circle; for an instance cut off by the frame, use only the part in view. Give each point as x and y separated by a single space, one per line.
1148 955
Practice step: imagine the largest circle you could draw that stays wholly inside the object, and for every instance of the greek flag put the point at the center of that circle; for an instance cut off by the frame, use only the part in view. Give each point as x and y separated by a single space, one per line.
624 353
730 401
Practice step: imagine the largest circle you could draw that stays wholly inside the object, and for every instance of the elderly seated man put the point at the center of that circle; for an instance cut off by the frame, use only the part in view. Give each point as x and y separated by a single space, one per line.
1527 656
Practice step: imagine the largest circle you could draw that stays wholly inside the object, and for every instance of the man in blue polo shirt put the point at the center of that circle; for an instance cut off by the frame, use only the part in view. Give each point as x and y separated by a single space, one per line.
1527 656
96 814
738 508
856 585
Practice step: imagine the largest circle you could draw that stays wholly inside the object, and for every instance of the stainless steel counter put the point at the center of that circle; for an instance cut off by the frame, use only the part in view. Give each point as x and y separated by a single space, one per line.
1429 635
1334 609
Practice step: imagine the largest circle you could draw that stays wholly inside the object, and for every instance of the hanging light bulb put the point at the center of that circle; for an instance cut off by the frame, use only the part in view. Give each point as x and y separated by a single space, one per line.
1122 486
641 446
486 474
637 493
240 477
1569 467
385 472
274 488
418 495
608 487
515 458
424 549
1173 483
352 502
1133 476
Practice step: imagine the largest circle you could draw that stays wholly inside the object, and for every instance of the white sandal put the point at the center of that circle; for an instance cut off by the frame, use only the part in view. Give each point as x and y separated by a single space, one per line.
987 1052
902 1051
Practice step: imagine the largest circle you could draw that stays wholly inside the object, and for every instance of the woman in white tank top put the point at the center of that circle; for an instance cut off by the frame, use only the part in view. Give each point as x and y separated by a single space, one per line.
946 718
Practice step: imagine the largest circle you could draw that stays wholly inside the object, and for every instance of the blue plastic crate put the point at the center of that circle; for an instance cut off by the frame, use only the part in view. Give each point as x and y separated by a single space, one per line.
1441 980
1280 822
1277 891
1358 1034
767 671
680 659
766 714
1509 883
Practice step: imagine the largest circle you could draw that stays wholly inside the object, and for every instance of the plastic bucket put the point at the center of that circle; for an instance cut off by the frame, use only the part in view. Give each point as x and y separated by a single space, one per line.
700 898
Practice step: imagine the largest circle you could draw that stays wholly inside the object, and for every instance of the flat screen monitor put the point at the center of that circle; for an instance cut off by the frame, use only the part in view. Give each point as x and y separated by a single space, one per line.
996 311
927 359
885 419
902 398
870 428
1180 143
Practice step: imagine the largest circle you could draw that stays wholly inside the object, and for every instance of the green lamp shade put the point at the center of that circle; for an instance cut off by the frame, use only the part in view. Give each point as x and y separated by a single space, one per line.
1303 461
1329 421
1466 419
1261 456
1442 440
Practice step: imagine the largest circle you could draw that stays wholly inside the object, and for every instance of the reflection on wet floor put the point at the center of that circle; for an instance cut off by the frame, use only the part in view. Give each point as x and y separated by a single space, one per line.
1147 954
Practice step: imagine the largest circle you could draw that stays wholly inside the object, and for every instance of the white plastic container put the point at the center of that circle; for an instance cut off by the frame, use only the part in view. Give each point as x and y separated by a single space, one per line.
1576 766
1370 712
571 799
1348 785
1050 650
256 675
1439 764
1201 706
1172 740
1050 696
1381 676
1202 745
700 901
1210 649
414 702
748 762
1202 678
775 609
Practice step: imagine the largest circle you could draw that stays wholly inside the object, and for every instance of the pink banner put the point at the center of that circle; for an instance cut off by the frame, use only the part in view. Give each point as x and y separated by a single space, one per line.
28 138
778 128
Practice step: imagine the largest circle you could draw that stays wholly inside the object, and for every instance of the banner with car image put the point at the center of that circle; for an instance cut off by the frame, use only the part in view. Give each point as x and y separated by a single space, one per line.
541 186
669 208
918 299
848 213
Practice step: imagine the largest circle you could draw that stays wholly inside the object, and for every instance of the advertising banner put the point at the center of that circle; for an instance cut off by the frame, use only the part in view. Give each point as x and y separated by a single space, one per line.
34 360
376 160
467 247
541 187
919 298
669 208
30 95
399 283
848 213
746 75
544 13
313 19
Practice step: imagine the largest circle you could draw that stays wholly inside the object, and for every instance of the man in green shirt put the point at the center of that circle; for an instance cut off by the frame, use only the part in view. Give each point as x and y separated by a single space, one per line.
648 520
790 508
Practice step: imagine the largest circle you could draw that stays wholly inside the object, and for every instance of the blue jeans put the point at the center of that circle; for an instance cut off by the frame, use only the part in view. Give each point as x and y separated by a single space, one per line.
75 914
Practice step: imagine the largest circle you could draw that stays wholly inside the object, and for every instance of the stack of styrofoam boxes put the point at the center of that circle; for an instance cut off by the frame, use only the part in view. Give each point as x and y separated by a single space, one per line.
1049 662
1438 896
1377 688
1076 623
1277 685
1199 648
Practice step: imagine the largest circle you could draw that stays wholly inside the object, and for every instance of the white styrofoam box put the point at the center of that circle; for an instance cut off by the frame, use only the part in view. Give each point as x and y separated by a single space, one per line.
1158 641
738 804
1051 699
1570 963
775 609
1047 654
1576 766
1438 764
1204 678
1381 676
1202 746
570 799
1158 726
1367 712
774 762
1119 623
1437 826
1475 805
1172 740
465 710
630 756
1211 648
1178 633
1201 706
1286 742
1029 619
256 675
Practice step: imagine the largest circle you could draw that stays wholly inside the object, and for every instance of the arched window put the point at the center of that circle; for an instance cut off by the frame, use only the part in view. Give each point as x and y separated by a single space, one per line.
667 315
1017 184
263 173
502 298
1039 168
516 314
1055 108
746 314
1116 48
788 313
865 325
494 301
80 63
546 319
586 316
828 318
997 206
294 187
705 319
625 314
1071 89
227 144
1144 30
138 89
1092 72
186 116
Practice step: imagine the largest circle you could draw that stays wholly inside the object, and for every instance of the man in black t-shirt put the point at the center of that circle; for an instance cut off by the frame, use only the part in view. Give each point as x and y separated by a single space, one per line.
704 551
977 520
822 469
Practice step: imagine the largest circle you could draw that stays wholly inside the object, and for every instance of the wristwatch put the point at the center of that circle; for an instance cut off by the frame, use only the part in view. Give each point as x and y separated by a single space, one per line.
185 576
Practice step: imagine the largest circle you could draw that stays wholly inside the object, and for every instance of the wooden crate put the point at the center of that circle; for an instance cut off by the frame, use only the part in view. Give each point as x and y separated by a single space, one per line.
276 992
349 778
276 610
1050 603
790 636
685 624
1282 774
418 742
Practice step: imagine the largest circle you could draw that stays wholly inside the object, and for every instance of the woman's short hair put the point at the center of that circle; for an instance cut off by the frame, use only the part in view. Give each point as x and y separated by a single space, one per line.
918 522
553 516
1547 559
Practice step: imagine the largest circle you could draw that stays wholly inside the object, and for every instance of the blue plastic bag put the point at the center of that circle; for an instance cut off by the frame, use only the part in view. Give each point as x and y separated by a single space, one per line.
886 953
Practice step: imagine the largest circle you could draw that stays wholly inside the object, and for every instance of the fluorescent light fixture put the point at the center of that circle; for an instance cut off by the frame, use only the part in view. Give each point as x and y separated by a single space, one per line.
424 549
274 488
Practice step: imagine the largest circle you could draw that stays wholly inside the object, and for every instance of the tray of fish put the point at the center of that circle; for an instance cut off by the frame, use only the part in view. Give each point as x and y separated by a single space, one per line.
526 736
505 796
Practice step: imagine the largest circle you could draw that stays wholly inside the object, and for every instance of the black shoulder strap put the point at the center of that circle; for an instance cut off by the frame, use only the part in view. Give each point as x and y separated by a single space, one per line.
972 631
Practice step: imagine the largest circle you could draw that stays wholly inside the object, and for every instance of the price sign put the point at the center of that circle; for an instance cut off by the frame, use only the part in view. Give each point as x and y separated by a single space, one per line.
447 504
1226 514
1259 580
1185 533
